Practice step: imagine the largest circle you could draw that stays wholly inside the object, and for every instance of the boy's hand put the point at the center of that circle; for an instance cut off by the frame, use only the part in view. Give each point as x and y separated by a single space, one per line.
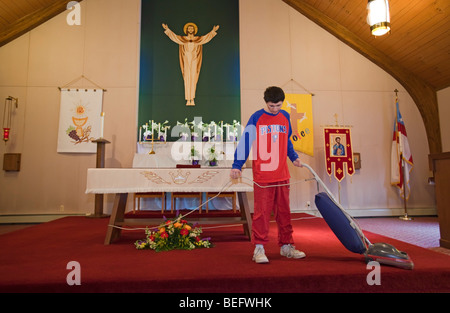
235 173
298 163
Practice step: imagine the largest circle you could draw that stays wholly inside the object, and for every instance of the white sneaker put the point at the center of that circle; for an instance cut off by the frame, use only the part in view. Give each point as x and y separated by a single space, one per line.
289 251
259 256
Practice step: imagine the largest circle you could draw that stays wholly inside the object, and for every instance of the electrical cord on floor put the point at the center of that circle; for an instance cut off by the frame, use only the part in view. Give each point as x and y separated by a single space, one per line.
197 208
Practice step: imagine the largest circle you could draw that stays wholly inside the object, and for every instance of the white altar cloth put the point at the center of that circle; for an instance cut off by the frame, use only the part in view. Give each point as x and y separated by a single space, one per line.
167 156
132 180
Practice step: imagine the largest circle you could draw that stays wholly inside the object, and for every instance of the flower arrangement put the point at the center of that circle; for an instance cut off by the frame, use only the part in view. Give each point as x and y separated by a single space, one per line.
195 156
212 155
177 234
149 131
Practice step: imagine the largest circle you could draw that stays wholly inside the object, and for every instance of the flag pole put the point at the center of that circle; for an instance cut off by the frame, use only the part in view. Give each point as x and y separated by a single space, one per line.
405 217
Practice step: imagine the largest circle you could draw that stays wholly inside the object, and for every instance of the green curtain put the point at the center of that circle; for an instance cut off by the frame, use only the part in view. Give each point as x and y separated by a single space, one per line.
161 85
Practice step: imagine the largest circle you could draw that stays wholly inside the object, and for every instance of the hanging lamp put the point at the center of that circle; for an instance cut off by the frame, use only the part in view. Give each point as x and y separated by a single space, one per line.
378 17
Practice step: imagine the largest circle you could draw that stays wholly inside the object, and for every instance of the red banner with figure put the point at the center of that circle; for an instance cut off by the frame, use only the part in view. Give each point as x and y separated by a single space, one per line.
338 150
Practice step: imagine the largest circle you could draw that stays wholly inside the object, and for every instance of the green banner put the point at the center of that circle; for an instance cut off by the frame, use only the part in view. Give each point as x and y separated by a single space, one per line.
162 92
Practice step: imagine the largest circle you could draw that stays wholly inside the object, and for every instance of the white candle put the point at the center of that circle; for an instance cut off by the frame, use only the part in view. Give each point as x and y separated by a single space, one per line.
140 133
102 117
165 133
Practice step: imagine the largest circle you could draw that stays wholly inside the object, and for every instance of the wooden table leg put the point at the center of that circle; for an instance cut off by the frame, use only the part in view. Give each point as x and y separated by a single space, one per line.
245 213
117 215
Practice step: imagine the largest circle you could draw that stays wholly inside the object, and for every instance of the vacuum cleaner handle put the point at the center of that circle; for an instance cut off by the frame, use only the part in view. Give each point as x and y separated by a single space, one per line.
317 178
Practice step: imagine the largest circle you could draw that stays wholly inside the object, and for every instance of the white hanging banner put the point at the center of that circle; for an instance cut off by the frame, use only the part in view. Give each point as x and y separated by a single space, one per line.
79 120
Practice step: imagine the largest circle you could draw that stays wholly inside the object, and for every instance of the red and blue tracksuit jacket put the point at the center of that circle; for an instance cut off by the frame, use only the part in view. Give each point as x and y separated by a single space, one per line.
268 136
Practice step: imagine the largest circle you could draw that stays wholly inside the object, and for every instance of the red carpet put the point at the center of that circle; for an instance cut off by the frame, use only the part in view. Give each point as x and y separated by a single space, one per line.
35 259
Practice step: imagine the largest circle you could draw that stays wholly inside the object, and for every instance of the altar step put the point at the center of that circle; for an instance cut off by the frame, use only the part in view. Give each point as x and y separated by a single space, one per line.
167 214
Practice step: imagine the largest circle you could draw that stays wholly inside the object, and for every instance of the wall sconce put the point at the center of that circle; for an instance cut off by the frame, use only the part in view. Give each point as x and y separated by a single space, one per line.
378 17
7 114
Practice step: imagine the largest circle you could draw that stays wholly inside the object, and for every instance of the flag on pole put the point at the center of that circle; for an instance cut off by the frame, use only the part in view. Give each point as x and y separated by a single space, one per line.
400 155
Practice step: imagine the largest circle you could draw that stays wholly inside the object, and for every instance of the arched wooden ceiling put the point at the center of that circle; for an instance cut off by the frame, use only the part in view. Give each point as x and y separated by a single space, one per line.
416 52
420 36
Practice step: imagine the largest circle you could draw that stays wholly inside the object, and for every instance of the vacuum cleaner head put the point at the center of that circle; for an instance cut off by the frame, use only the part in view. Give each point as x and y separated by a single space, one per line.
387 254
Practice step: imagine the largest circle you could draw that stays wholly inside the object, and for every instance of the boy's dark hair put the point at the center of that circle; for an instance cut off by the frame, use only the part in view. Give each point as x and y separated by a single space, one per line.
273 94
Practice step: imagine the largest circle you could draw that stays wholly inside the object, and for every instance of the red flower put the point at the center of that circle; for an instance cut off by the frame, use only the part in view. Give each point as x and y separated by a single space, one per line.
164 235
197 238
184 232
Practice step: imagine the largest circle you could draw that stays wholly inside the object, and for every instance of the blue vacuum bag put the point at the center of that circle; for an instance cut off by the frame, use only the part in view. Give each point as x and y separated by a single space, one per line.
339 223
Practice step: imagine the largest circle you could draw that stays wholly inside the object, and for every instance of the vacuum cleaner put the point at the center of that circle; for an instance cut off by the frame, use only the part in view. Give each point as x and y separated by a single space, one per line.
351 236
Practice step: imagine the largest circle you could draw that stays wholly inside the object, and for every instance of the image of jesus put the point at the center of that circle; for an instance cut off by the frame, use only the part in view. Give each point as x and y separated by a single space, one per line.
190 52
338 147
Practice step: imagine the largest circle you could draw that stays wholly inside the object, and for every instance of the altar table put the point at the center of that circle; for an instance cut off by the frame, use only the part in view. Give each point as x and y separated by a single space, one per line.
121 181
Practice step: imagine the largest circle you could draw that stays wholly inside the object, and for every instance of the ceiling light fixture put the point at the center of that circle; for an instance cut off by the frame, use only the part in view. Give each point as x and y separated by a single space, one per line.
378 17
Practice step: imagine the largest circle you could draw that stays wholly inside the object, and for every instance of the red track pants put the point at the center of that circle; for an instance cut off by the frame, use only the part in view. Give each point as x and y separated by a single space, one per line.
266 200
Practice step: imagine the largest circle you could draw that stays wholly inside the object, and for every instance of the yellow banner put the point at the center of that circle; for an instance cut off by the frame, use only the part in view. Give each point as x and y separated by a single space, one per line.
300 109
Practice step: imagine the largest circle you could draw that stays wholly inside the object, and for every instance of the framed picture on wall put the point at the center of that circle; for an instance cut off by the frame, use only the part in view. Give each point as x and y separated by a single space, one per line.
357 160
338 144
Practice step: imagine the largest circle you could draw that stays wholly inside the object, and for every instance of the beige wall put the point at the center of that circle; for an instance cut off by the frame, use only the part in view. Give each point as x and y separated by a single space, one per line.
103 48
277 45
